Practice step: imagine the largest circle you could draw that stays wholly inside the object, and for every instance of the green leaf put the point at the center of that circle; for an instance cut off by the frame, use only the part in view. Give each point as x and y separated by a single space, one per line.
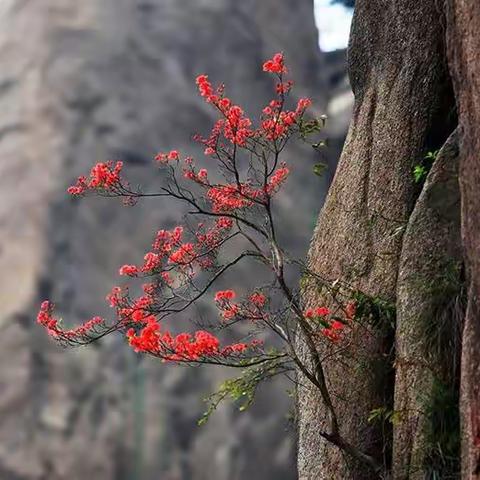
419 173
319 169
377 414
242 389
395 418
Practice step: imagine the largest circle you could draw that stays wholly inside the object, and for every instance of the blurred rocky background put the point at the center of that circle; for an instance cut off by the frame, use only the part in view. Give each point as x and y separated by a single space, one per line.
91 80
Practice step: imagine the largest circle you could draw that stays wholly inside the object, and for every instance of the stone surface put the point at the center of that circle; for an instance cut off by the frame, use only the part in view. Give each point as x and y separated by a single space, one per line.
402 98
87 81
429 315
464 58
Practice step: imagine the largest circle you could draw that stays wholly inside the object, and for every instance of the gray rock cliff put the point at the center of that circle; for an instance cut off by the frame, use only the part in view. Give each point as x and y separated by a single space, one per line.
93 80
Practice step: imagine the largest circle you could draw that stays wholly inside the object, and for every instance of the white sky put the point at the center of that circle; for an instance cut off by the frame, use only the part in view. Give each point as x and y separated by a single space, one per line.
333 22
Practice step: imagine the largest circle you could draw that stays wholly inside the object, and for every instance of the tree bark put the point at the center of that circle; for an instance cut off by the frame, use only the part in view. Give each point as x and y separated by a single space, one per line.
464 57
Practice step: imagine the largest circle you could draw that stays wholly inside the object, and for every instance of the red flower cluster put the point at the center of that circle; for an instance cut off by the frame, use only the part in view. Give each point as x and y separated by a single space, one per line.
224 295
230 311
167 157
46 319
115 297
258 299
183 347
350 310
277 123
302 105
211 143
236 126
183 255
201 177
275 65
170 250
175 260
226 198
316 312
251 309
103 176
333 332
224 223
330 329
129 270
205 88
276 180
138 312
237 348
230 197
223 299
283 87
151 339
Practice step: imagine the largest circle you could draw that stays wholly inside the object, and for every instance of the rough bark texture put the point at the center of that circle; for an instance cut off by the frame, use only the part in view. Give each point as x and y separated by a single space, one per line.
92 80
427 331
464 53
402 99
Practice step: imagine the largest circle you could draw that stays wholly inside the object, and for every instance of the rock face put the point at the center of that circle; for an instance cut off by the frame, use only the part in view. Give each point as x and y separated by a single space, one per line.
429 318
464 57
402 105
384 237
113 79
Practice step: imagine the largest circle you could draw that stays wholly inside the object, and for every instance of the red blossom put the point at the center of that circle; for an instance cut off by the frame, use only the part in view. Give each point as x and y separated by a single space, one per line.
350 310
115 296
237 127
226 198
129 270
205 87
278 177
230 311
166 278
177 256
224 223
275 65
209 151
234 348
167 157
316 312
331 334
184 255
224 295
151 261
149 288
336 325
45 318
201 177
283 87
103 176
258 299
302 105
182 347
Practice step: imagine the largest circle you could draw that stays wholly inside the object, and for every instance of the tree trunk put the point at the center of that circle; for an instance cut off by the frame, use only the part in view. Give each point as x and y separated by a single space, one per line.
464 57
402 101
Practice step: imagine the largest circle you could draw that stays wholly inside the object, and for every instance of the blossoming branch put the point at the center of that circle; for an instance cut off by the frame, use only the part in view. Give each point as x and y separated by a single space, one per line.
229 210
